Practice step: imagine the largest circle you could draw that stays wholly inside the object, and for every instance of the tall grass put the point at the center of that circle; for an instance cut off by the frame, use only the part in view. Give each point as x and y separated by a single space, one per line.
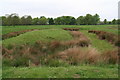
43 54
78 55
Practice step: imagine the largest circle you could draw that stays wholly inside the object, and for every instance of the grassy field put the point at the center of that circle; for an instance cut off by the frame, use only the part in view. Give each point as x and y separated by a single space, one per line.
42 35
54 32
108 28
61 72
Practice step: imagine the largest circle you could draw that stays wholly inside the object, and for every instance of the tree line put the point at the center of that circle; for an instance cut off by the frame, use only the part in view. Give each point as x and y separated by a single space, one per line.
14 19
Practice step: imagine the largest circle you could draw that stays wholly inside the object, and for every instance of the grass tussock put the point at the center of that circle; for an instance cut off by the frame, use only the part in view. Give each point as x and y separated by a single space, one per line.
110 56
79 55
43 55
89 55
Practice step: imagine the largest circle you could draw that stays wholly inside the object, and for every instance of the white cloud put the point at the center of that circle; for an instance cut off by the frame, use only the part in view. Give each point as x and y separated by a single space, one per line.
54 8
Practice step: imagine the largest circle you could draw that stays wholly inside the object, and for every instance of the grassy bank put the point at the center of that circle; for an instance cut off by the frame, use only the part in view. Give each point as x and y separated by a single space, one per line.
42 35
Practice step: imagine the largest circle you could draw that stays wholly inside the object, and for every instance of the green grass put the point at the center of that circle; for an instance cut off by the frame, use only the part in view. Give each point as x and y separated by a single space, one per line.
108 28
42 35
56 33
61 72
100 45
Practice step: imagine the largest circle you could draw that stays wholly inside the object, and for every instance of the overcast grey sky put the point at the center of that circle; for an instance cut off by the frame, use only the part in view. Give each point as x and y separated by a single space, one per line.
53 8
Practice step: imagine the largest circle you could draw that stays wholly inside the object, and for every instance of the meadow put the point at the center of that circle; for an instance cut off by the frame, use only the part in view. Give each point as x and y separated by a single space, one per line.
51 52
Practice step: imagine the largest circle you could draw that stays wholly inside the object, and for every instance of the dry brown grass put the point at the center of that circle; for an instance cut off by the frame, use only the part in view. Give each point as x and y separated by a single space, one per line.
54 45
25 52
79 55
71 29
110 56
73 55
79 40
76 34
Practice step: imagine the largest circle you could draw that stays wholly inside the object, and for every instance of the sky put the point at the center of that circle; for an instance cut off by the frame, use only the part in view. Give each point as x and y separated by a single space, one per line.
107 9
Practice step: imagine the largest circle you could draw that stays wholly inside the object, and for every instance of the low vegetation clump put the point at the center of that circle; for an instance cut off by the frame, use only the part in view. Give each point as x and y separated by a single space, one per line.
111 56
55 54
75 56
78 55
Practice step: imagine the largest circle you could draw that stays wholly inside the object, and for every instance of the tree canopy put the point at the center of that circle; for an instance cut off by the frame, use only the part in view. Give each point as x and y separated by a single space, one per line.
14 19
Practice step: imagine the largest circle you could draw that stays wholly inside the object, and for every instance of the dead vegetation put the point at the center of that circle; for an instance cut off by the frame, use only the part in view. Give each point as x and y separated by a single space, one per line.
14 34
78 55
56 53
111 56
48 54
71 29
79 40
112 38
